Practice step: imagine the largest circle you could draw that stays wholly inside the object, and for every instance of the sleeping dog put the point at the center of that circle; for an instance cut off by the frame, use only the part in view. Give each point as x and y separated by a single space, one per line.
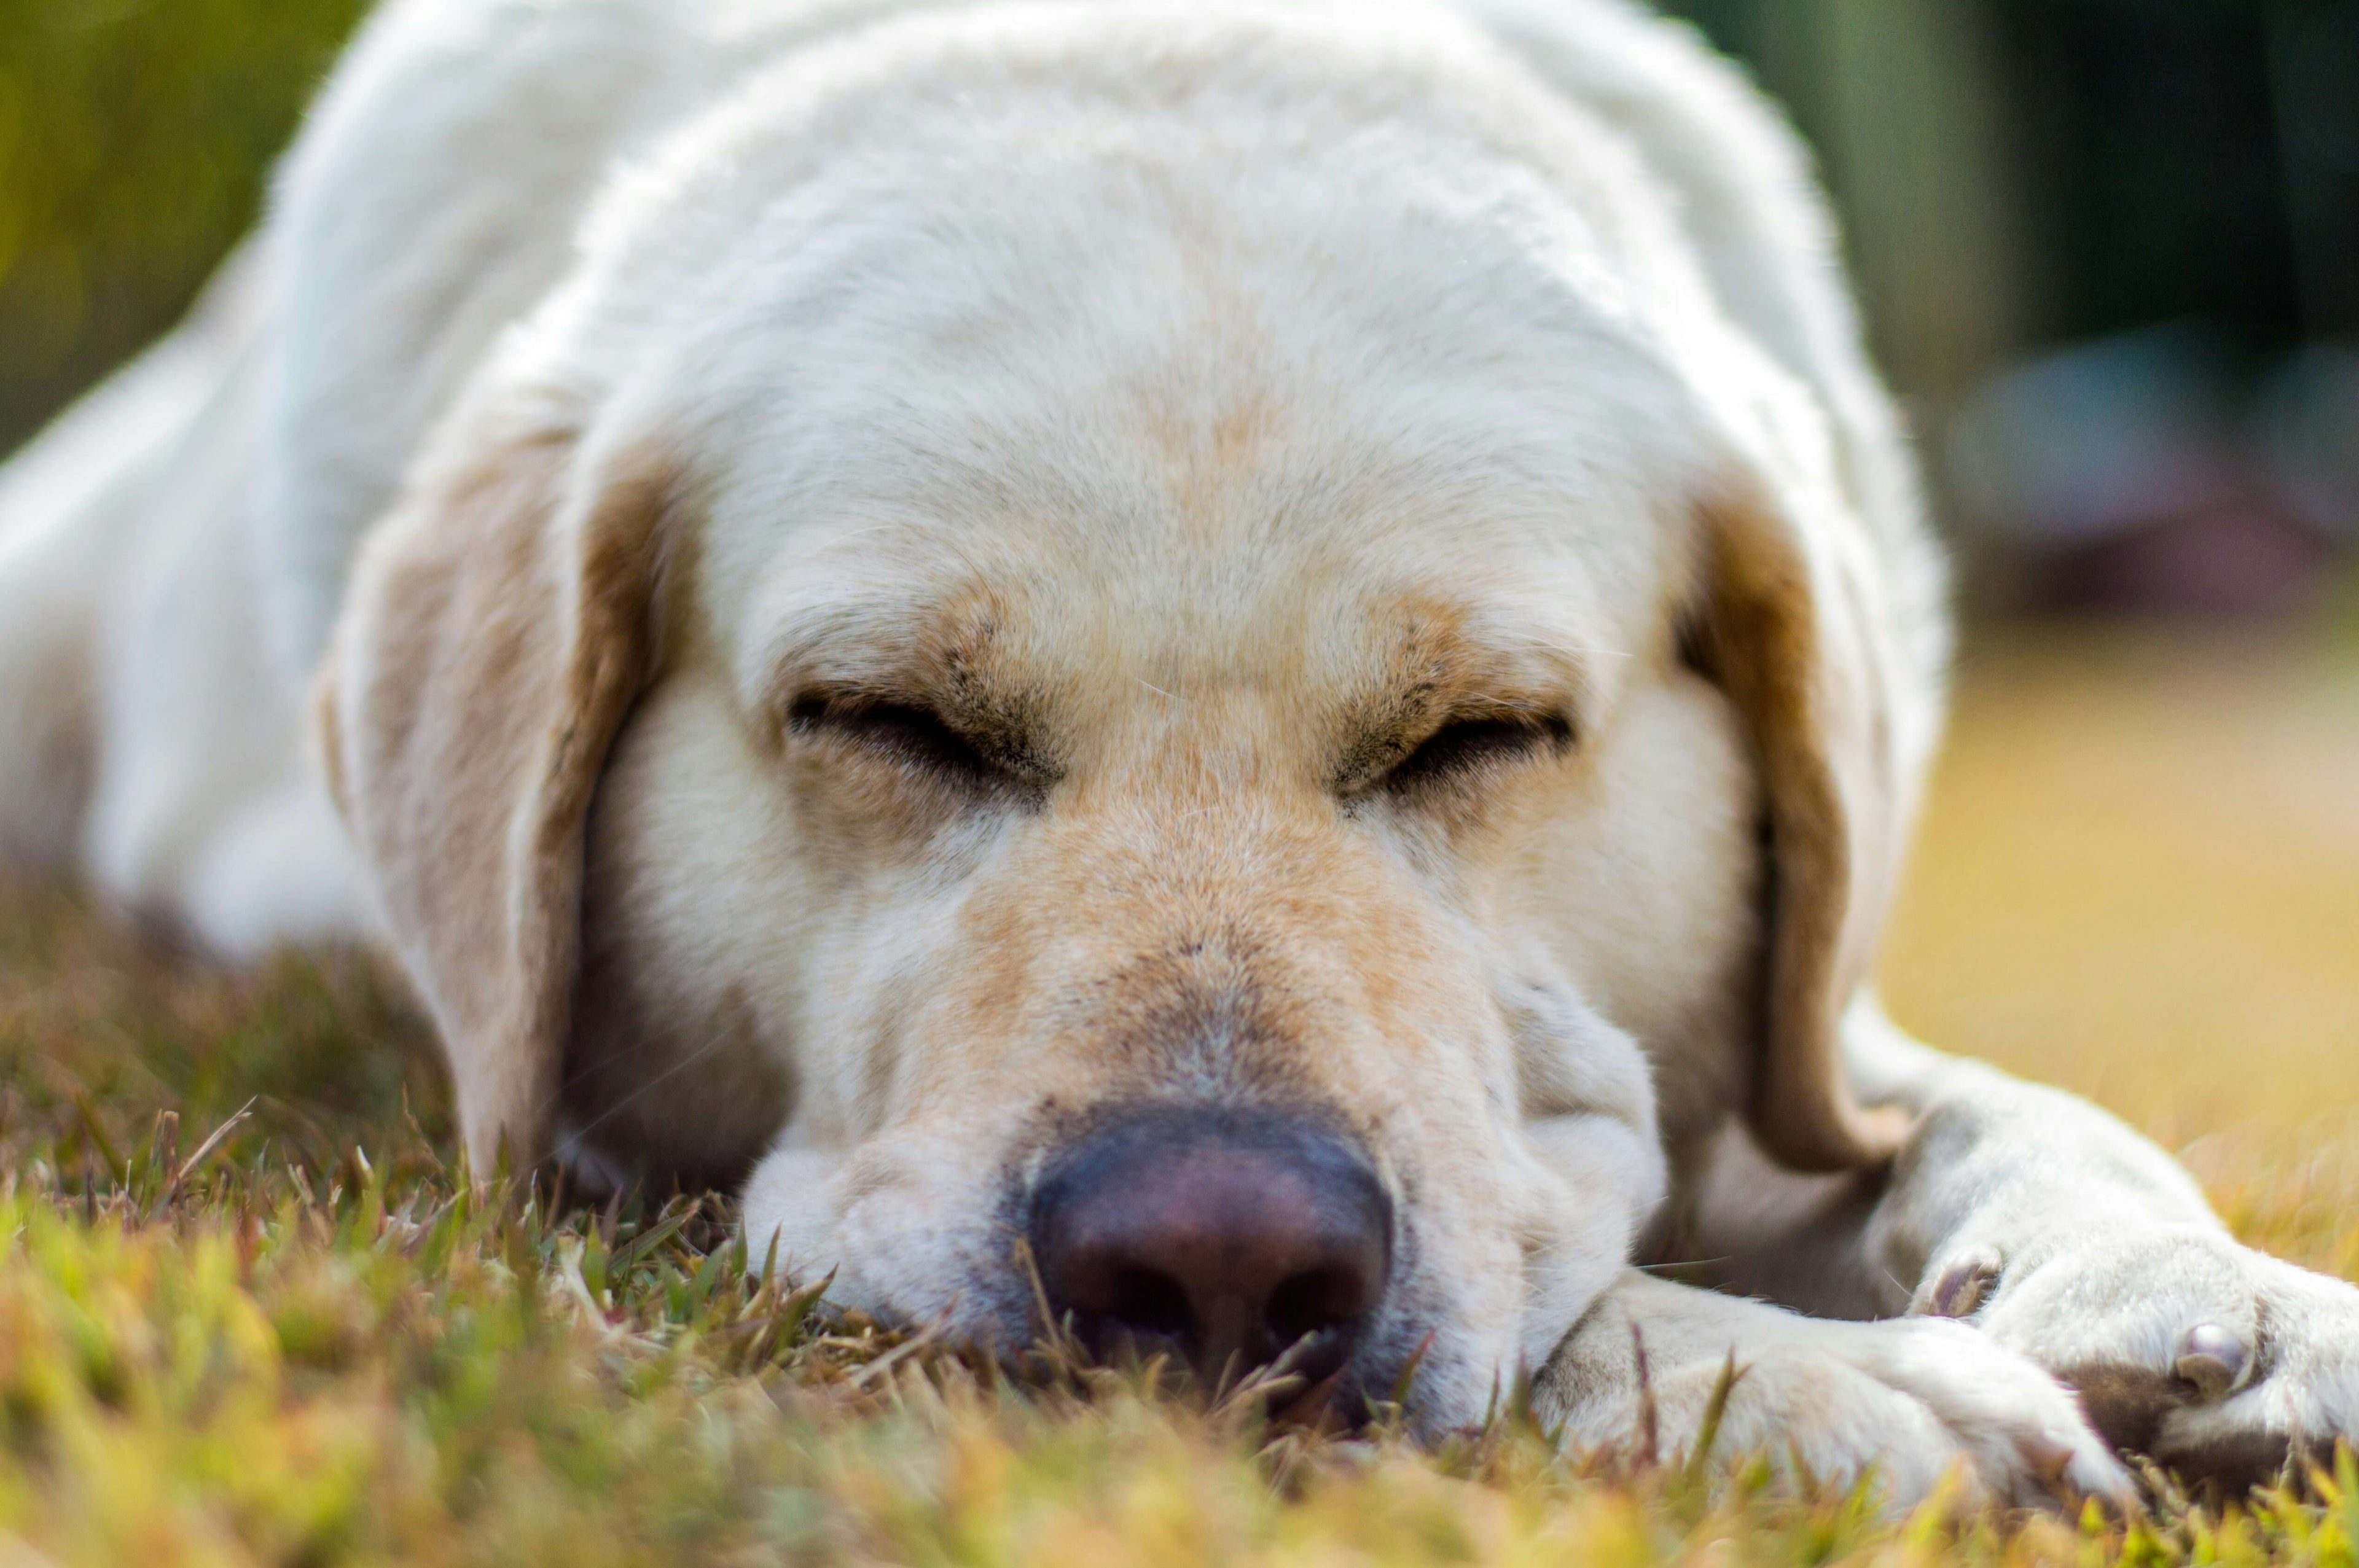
1272 659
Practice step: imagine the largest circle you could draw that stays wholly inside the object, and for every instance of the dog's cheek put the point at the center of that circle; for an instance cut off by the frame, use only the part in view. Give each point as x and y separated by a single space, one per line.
1643 887
699 913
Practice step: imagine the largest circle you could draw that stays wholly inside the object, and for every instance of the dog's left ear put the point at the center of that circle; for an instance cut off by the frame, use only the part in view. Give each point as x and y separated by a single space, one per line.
498 628
1805 620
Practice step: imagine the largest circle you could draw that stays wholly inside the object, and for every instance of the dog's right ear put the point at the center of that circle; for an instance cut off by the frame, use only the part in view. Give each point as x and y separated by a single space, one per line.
497 629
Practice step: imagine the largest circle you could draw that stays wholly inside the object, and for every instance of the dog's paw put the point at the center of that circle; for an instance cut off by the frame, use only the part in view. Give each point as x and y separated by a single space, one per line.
1911 1402
1915 1401
2219 1362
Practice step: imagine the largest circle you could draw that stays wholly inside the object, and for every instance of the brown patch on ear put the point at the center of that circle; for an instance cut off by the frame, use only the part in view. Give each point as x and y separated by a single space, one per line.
499 627
1784 634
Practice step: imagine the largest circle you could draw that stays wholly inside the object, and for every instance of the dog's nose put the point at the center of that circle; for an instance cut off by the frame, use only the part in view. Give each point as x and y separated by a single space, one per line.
1226 1239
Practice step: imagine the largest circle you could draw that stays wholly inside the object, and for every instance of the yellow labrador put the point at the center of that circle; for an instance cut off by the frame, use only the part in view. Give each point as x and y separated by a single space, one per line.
1281 651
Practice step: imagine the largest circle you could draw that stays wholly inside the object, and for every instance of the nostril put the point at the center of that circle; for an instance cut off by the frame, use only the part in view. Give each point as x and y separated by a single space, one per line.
1315 1301
1149 1302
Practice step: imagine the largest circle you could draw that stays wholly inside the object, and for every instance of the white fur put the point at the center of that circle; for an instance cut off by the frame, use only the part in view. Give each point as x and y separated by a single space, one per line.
1203 339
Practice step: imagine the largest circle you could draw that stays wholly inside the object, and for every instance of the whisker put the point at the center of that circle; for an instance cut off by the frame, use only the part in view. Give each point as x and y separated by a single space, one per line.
720 1038
1578 650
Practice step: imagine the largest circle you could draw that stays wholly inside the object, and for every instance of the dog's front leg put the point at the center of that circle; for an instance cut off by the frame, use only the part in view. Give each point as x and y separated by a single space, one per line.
2064 1236
1911 1401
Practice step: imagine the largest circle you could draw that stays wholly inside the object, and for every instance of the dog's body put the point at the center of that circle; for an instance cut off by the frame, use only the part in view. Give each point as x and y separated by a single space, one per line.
985 606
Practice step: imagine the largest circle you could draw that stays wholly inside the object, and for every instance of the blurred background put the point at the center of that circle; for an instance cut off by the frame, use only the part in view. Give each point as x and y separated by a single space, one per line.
2109 256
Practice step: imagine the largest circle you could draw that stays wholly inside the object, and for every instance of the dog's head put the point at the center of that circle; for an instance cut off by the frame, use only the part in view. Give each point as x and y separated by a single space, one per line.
1176 662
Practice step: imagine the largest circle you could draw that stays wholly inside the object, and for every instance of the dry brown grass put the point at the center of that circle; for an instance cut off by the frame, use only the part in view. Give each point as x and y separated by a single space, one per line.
2139 877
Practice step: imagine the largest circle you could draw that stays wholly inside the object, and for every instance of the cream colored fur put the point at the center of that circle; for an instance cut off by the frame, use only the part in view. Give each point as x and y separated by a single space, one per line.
1196 409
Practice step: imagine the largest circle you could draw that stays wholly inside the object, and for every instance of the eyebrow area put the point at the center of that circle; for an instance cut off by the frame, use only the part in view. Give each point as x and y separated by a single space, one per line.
1435 676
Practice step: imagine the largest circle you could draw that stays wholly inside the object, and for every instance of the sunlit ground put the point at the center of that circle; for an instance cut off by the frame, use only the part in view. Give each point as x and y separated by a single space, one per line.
2138 876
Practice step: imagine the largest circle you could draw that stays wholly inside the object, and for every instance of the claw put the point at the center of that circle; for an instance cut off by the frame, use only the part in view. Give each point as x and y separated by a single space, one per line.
2050 1462
1962 1289
2053 1466
2214 1359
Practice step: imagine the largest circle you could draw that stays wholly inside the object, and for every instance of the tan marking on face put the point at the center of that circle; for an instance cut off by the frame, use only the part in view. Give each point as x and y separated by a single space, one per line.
1166 931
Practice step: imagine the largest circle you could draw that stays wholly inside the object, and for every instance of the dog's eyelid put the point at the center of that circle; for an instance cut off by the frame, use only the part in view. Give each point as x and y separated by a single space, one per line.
1461 744
916 732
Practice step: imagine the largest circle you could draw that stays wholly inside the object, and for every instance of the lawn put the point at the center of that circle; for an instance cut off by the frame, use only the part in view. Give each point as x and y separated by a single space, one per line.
248 1314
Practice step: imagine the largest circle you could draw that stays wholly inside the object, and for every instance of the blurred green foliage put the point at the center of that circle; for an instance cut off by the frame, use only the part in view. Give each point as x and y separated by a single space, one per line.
2012 172
136 139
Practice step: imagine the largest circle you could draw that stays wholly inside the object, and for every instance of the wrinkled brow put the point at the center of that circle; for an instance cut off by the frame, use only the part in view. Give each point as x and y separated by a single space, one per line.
1447 664
960 653
865 650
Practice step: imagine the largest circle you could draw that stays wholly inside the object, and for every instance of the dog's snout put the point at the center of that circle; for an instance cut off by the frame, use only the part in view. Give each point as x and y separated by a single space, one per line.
1226 1240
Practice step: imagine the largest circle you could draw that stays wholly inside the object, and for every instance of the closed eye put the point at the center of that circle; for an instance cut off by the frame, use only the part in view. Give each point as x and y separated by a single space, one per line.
916 737
1466 747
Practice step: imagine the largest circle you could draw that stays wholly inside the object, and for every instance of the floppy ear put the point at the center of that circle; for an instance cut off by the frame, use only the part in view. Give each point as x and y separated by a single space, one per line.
497 630
1797 629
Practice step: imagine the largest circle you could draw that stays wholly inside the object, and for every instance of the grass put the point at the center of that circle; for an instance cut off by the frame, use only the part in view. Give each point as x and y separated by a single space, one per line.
300 1340
2144 848
134 140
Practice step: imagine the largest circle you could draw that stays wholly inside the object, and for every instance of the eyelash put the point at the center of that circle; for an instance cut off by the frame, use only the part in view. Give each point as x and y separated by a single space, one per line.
920 738
911 734
1465 747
